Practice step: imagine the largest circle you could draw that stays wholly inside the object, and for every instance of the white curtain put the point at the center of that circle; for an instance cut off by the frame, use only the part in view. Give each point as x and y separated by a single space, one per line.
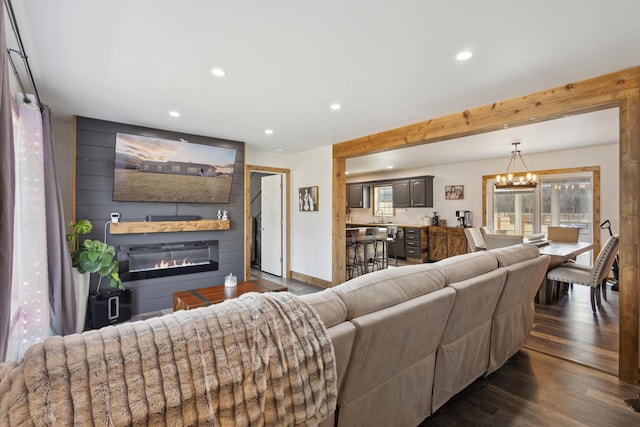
30 308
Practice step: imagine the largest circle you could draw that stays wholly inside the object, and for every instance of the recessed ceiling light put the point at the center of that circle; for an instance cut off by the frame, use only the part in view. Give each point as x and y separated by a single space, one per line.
174 114
280 149
335 107
346 173
218 72
464 55
389 167
269 131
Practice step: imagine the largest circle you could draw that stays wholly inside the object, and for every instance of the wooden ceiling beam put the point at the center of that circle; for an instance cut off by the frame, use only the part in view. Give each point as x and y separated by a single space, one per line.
580 97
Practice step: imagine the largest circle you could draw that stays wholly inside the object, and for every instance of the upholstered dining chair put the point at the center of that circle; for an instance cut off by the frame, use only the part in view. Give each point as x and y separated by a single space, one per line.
495 241
595 277
487 229
475 241
563 234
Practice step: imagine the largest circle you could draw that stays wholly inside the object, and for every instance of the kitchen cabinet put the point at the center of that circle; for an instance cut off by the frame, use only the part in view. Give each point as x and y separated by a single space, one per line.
415 244
358 195
413 192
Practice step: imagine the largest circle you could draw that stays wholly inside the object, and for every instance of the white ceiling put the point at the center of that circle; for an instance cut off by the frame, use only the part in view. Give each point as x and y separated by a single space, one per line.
387 63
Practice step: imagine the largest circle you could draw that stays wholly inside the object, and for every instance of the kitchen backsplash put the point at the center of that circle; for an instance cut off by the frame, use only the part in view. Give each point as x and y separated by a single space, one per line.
413 216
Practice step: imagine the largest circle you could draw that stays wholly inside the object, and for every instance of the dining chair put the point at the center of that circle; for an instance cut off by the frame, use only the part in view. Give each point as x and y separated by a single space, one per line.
595 276
475 241
563 234
495 241
487 229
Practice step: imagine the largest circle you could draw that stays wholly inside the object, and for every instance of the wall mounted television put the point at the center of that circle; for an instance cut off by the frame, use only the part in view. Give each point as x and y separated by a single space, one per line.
161 170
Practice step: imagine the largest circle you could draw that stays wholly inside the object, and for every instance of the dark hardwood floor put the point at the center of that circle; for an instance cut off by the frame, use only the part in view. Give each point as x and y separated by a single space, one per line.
534 389
570 330
294 286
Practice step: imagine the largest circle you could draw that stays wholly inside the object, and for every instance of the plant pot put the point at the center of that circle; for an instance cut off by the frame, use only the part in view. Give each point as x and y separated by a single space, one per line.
81 289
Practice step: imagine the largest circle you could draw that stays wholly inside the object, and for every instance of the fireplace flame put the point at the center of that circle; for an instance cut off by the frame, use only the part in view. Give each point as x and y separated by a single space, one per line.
173 263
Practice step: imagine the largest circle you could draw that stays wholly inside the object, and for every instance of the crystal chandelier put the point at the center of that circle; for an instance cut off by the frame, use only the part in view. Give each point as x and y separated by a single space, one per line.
510 182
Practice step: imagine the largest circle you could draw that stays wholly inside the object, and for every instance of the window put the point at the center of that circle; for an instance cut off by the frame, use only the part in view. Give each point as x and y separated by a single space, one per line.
383 201
513 212
568 202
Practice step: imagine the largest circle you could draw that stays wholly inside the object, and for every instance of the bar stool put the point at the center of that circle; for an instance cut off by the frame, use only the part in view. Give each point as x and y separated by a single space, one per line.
380 247
391 238
366 245
353 263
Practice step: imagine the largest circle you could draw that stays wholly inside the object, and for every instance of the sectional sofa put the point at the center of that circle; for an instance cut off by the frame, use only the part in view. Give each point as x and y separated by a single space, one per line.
385 349
408 339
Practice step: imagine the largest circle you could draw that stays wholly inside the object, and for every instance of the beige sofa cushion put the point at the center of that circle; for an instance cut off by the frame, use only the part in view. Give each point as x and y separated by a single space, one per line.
516 253
513 317
463 353
463 267
494 241
384 288
390 376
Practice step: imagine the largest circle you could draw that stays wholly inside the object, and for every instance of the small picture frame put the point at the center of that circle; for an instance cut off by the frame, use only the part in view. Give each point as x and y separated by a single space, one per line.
454 192
308 199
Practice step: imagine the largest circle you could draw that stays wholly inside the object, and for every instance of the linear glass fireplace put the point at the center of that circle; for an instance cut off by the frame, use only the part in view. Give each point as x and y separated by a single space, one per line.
138 262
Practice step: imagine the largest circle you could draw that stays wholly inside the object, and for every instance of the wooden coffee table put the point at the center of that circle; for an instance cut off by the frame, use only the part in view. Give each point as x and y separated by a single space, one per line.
194 298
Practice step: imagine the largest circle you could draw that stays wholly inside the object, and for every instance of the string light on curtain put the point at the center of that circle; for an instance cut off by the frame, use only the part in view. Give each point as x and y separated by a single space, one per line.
30 310
509 181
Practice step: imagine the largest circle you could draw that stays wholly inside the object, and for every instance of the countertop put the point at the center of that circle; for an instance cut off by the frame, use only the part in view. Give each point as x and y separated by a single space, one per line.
377 224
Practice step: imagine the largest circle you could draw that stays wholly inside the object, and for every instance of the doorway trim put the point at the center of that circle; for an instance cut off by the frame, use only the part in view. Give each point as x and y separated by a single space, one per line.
286 173
620 89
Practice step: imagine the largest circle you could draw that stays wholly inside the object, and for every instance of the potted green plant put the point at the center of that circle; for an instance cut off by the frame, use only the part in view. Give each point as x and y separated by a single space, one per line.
93 256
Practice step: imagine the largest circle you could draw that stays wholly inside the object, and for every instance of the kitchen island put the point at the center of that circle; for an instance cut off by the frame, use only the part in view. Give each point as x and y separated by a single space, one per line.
421 243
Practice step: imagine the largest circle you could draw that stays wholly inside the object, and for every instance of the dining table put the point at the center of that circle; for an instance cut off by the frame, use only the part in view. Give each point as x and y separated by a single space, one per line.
559 252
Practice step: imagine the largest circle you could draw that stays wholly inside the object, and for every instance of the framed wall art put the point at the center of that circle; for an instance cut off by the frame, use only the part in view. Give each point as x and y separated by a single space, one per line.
454 192
308 198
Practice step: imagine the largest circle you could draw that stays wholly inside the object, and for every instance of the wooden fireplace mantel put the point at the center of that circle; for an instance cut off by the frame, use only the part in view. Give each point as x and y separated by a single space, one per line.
168 226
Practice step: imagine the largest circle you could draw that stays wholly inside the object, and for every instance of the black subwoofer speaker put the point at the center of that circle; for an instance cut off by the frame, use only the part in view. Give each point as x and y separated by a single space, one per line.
107 308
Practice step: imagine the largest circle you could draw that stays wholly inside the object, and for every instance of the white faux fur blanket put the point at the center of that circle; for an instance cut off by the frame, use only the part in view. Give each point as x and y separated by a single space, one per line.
257 360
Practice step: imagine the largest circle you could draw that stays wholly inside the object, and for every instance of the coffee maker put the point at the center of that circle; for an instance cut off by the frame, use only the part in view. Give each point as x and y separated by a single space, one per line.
464 218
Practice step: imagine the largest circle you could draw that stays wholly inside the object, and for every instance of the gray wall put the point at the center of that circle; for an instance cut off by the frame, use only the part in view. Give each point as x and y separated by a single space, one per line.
95 150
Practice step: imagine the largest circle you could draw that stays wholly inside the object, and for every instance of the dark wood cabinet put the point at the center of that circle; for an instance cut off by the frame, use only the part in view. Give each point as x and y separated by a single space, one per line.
418 190
437 243
413 193
401 196
445 242
416 244
358 196
456 241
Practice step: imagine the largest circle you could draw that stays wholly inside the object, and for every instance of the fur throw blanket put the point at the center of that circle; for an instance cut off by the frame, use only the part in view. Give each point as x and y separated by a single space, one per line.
257 360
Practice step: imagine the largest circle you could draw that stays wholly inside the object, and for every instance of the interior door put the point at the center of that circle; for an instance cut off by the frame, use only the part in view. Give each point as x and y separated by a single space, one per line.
271 206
